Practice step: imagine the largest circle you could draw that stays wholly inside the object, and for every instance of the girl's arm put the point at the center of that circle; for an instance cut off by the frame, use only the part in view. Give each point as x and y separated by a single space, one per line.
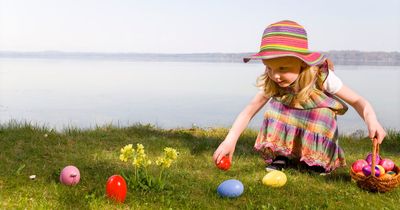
227 147
365 110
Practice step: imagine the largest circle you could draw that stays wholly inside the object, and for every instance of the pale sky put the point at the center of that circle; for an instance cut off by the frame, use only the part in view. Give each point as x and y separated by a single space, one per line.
184 26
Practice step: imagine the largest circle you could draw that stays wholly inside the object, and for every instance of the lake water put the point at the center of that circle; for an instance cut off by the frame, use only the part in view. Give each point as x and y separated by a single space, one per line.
86 93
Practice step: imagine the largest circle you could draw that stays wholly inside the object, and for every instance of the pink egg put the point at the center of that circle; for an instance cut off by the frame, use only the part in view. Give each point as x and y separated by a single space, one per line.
369 159
358 165
70 175
387 164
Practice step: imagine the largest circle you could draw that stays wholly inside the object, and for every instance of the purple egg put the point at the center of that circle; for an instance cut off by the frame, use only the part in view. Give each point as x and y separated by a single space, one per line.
367 170
70 175
369 159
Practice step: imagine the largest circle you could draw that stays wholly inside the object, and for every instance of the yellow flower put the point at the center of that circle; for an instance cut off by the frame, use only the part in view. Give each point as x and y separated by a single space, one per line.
123 158
167 163
136 162
140 149
159 161
170 153
147 163
126 153
126 148
140 158
139 146
163 162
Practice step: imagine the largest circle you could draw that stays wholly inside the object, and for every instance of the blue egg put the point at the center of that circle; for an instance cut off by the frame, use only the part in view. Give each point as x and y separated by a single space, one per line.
230 188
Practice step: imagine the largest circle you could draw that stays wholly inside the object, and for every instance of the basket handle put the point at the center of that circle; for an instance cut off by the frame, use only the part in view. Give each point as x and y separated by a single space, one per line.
375 152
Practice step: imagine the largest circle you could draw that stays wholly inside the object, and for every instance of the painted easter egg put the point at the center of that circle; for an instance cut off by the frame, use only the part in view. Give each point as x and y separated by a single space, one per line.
391 173
275 179
70 175
230 188
116 188
360 173
369 159
381 170
224 164
358 165
367 170
386 176
387 164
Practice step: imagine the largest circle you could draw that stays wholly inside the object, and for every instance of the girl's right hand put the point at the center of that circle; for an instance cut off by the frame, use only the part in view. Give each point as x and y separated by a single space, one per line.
226 148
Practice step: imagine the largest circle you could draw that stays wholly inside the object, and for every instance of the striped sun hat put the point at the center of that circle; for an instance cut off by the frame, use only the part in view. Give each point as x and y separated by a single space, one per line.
286 38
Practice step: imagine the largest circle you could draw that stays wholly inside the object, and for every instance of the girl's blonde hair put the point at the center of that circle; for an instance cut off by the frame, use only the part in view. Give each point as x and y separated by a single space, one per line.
303 85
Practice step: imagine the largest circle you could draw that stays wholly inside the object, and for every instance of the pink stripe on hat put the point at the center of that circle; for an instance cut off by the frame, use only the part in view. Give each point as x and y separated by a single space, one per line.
286 38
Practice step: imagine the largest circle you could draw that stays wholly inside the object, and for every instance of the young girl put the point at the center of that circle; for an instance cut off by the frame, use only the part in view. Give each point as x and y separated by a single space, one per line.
302 95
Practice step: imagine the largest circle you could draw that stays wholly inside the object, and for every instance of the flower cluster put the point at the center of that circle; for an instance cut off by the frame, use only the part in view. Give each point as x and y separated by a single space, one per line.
170 155
138 156
141 178
126 153
140 159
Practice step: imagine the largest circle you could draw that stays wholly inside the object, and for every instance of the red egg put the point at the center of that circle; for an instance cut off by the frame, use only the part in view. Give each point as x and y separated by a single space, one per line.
116 188
224 164
358 165
387 164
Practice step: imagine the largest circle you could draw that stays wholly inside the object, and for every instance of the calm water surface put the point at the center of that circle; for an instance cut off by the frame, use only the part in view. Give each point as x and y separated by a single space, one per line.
84 93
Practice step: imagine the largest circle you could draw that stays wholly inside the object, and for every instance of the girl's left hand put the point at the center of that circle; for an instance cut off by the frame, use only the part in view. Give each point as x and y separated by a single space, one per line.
376 131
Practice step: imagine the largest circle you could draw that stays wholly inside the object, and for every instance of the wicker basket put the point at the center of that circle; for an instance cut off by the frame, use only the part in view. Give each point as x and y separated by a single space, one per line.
373 183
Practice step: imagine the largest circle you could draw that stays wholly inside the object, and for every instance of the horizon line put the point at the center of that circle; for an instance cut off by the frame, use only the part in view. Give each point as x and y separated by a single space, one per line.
171 53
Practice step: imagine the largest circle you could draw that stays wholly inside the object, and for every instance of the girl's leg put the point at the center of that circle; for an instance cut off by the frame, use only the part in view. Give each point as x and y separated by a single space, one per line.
279 163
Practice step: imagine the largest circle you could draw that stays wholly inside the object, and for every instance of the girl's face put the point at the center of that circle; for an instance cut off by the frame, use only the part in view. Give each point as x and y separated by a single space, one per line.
283 71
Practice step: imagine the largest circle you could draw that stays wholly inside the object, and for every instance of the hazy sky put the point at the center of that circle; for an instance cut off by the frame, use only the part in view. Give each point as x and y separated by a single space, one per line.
184 26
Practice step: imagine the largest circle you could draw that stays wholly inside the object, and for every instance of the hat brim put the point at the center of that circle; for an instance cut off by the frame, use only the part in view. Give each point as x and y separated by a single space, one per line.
311 58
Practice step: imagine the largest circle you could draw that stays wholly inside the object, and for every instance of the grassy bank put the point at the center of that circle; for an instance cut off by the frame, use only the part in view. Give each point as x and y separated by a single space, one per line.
28 150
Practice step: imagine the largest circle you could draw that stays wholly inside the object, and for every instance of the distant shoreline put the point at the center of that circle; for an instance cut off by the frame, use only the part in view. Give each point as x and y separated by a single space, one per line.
338 57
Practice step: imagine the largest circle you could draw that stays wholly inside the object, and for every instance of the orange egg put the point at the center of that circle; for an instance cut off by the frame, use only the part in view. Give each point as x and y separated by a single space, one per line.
386 176
360 173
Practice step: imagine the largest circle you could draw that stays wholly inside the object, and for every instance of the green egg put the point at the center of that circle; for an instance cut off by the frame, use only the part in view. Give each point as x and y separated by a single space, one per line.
392 173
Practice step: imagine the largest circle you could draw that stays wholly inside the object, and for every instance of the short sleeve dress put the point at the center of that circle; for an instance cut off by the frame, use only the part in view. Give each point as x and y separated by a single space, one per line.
306 131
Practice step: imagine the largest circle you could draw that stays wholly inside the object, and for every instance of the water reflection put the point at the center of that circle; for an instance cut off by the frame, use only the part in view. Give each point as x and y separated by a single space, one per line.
82 93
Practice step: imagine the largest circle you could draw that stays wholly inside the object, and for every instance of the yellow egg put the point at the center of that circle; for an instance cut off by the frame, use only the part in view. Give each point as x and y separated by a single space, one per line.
381 170
275 179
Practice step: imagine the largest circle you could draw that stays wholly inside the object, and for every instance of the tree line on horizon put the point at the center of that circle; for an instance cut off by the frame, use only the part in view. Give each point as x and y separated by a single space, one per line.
342 57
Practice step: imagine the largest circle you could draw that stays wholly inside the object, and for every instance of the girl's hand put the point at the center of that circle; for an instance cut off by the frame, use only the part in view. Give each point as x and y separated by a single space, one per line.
375 130
225 148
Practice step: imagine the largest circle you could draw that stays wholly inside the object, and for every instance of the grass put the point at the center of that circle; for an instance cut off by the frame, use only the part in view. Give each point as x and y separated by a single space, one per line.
28 149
